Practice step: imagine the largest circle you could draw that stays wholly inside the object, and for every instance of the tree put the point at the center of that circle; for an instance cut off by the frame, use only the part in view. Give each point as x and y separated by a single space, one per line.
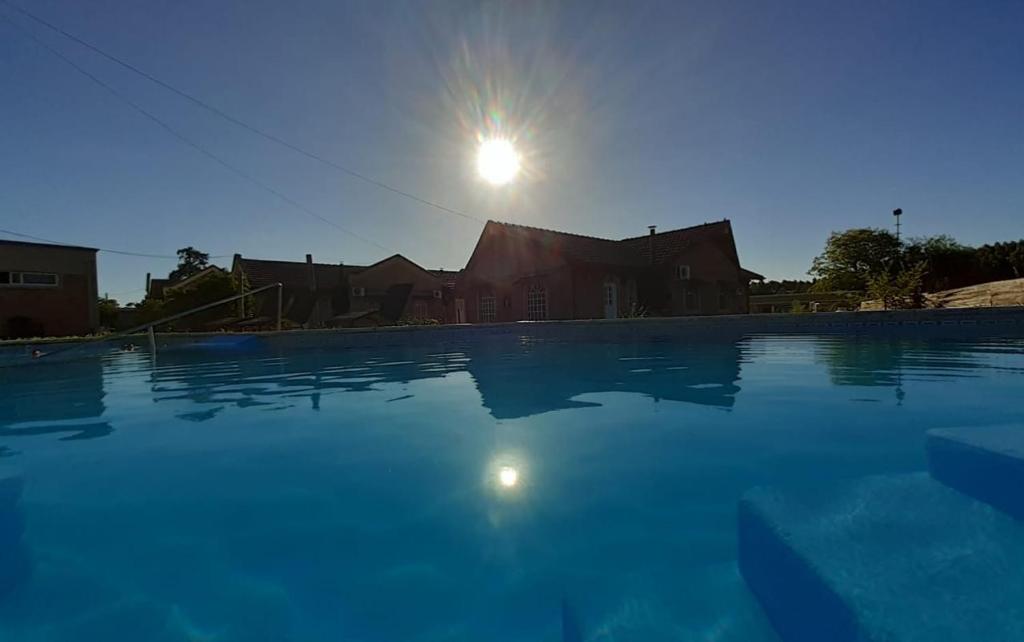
1001 261
207 290
852 257
781 287
108 312
900 290
948 264
190 261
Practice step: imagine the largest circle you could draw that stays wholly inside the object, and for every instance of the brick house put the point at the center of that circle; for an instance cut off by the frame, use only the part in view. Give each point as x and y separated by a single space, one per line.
312 294
325 294
396 287
47 290
525 273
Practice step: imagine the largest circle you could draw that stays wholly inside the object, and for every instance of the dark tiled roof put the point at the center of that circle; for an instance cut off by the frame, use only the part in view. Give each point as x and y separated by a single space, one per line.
669 244
294 273
635 251
588 249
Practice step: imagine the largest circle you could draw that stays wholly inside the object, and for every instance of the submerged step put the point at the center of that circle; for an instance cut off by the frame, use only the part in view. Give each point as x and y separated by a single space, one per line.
890 558
986 462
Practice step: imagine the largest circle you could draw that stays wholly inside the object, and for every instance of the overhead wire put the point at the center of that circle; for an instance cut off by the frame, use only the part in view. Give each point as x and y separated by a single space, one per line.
101 249
241 123
184 139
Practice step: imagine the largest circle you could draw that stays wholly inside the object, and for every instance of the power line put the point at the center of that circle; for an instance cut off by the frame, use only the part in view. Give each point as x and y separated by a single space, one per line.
241 123
121 252
184 139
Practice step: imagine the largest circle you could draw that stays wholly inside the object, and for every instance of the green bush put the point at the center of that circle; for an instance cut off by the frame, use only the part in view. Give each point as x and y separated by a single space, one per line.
900 291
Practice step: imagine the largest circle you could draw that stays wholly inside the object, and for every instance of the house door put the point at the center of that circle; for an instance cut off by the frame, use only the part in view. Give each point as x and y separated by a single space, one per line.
611 300
460 310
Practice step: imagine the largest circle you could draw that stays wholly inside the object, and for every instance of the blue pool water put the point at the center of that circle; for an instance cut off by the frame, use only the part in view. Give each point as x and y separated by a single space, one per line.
512 491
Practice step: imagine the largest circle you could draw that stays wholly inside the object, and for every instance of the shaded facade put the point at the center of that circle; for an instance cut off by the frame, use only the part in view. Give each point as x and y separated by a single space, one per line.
47 290
521 273
397 288
312 293
337 295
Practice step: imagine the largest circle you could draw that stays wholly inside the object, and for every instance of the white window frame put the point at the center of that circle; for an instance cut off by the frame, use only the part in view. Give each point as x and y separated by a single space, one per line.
488 308
683 272
17 279
536 304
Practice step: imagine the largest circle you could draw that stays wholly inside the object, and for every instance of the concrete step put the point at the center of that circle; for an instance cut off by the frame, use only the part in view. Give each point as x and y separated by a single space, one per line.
890 558
985 462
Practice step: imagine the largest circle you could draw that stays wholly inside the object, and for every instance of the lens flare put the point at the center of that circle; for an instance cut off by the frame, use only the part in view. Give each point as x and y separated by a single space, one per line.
497 161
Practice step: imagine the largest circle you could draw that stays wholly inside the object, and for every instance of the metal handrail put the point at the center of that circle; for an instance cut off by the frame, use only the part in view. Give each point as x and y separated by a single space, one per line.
148 326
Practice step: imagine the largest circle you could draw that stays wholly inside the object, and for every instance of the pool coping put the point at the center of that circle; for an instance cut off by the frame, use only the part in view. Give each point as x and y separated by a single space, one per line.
933 323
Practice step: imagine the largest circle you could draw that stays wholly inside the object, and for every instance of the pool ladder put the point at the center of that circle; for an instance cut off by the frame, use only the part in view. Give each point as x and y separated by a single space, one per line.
149 326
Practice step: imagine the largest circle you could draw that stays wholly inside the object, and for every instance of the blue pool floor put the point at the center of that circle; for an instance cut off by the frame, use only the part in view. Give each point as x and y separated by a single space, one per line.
350 495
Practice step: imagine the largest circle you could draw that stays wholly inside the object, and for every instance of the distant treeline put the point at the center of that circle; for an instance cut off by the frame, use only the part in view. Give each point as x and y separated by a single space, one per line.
852 259
781 287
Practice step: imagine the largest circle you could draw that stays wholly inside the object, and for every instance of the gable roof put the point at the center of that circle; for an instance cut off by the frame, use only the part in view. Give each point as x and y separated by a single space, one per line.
446 277
668 245
635 251
404 259
260 272
169 285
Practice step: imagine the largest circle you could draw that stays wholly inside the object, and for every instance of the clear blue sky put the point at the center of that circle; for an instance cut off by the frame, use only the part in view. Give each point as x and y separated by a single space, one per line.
793 119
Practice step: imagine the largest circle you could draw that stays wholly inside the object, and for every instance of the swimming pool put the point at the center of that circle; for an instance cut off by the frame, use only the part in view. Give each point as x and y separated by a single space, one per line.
507 490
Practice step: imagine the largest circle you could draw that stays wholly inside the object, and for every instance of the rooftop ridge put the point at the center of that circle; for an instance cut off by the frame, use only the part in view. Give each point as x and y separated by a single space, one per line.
678 229
608 240
50 245
550 231
338 264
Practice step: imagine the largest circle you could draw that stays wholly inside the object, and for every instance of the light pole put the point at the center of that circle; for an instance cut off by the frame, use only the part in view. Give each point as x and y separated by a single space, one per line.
897 213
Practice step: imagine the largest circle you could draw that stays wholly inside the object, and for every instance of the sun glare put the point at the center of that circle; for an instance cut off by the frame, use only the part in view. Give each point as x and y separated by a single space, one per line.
508 476
497 161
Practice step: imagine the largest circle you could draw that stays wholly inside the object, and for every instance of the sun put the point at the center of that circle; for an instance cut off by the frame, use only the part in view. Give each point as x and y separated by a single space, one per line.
497 161
508 476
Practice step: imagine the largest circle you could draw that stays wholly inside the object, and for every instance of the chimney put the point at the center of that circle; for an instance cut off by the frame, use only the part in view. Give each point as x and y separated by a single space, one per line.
148 279
652 228
312 273
653 231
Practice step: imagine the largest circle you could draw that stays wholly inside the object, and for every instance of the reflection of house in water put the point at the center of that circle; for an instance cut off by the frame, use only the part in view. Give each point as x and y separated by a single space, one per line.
44 399
513 380
277 383
542 378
